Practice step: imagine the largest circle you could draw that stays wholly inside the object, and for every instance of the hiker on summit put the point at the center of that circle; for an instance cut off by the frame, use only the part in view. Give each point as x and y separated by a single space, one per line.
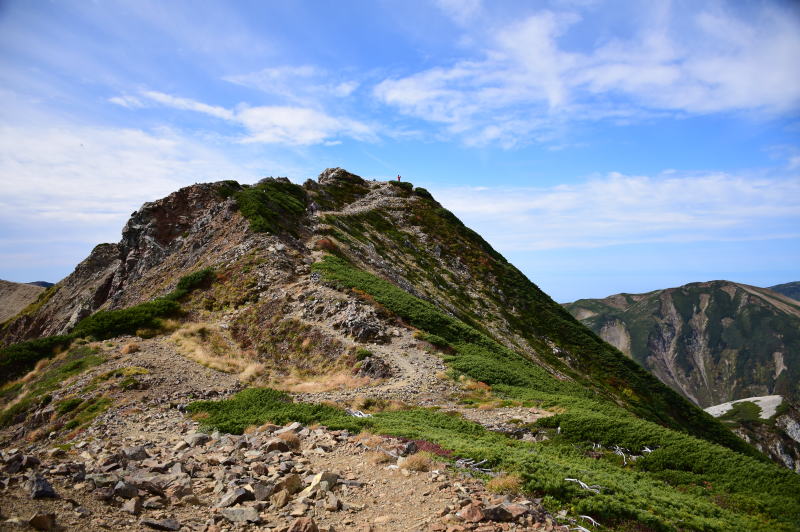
398 177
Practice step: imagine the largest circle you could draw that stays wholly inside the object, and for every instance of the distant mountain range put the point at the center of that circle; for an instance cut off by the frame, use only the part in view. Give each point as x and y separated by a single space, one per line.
723 345
788 289
712 342
43 284
16 296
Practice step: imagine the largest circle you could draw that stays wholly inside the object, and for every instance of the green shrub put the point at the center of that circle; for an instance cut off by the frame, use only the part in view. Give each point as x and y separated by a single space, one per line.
423 193
743 412
188 283
228 188
68 405
362 353
18 359
484 359
110 323
272 206
405 186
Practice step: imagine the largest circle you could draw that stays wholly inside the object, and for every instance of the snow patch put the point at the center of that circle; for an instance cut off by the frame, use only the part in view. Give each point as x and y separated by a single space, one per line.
768 404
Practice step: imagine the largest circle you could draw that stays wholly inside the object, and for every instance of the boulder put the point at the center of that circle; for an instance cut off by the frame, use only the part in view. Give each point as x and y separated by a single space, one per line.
133 506
235 496
43 521
135 453
262 491
323 481
280 498
197 438
290 483
125 490
498 512
303 524
471 513
160 524
241 514
40 488
277 444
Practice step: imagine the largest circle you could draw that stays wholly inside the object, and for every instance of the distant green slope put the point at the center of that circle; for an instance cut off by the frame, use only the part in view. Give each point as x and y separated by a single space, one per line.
788 289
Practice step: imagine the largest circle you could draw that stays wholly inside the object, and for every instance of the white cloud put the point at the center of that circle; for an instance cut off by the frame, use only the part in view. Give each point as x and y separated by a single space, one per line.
619 209
90 176
296 125
189 105
291 125
529 74
131 102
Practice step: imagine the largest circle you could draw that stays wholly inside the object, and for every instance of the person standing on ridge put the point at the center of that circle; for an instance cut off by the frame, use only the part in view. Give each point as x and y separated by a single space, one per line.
398 177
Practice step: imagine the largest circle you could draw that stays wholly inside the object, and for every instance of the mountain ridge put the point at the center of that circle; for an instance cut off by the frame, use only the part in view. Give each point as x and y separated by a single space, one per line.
360 282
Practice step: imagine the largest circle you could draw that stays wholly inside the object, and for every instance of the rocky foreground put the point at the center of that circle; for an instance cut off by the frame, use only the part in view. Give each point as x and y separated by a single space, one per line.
145 464
290 478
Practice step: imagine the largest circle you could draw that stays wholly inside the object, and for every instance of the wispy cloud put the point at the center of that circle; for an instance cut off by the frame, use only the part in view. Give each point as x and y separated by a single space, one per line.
290 125
189 105
524 80
617 209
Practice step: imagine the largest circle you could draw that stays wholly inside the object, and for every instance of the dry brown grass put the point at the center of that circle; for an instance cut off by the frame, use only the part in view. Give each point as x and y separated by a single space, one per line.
343 380
266 427
369 439
200 416
130 347
377 404
416 462
379 457
505 484
36 435
326 244
210 346
291 438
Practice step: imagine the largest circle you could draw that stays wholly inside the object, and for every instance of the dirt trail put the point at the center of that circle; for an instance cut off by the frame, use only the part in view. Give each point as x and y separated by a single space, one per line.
381 196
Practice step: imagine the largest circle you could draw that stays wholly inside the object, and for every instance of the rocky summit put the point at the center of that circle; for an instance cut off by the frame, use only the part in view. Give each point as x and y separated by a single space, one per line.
343 355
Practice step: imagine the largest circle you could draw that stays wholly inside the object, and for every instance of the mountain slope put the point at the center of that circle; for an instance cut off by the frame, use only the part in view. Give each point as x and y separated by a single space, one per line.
371 295
16 296
791 290
713 342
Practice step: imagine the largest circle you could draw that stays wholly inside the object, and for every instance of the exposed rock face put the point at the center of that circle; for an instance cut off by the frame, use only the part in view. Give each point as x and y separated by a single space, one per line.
775 431
162 241
712 342
15 297
70 300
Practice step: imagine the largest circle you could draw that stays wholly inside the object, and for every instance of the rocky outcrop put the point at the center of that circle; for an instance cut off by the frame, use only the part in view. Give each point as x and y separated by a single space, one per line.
161 242
75 297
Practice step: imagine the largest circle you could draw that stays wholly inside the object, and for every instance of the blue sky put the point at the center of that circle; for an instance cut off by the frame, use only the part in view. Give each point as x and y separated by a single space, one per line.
601 146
